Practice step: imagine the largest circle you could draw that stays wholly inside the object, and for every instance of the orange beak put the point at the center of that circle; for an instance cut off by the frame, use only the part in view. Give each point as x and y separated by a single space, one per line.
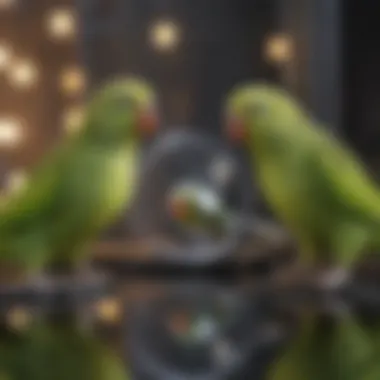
236 131
148 122
179 209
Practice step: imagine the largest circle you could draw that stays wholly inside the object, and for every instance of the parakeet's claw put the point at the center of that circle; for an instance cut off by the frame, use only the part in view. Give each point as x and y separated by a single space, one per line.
334 279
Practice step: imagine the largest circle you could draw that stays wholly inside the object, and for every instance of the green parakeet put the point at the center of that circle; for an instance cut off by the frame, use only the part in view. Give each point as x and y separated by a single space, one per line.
313 183
57 352
329 349
82 186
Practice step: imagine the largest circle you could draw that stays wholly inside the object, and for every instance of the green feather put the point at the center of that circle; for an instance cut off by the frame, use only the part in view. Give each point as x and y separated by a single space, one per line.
313 183
79 188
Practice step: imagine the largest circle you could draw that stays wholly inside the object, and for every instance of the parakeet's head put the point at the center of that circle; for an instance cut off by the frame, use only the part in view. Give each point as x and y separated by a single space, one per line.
122 109
253 109
193 204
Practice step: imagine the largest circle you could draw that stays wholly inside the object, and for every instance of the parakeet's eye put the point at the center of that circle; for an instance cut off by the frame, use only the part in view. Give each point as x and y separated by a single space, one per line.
148 121
236 130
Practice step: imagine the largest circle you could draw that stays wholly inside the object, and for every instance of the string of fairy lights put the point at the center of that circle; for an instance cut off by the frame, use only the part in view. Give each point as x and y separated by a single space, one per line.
23 74
61 24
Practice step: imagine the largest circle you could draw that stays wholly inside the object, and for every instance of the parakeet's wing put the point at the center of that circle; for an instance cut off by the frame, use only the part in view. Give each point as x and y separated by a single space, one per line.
342 350
47 352
340 177
39 196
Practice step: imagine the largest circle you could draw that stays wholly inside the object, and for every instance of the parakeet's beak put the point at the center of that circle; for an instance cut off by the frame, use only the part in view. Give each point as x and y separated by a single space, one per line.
148 122
236 131
179 209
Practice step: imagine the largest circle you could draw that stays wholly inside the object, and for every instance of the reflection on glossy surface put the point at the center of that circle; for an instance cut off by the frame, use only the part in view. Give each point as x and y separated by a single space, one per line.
56 351
331 348
198 330
194 329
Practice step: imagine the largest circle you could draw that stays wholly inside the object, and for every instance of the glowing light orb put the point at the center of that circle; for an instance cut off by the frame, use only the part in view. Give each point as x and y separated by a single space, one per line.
19 319
73 119
73 81
23 74
10 131
109 310
279 49
165 35
62 24
16 180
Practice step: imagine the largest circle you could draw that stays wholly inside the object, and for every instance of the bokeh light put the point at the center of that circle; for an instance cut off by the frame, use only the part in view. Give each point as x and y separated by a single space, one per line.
23 74
11 131
109 310
165 35
73 80
5 56
73 119
62 24
18 319
278 49
16 180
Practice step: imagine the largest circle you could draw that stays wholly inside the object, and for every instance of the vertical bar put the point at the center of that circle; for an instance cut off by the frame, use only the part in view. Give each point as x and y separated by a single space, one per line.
325 61
315 27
